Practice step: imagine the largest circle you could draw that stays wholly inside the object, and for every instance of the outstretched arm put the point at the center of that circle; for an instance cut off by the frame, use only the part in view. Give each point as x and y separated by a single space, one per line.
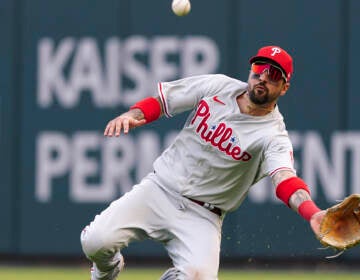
295 193
145 111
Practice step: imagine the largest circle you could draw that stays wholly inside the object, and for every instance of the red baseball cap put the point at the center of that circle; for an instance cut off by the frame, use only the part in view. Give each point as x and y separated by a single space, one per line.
277 55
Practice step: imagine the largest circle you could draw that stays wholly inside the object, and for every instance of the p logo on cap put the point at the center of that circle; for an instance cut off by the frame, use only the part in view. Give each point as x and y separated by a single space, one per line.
275 51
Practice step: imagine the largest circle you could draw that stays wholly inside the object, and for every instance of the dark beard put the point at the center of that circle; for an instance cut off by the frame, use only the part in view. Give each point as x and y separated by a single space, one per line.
259 100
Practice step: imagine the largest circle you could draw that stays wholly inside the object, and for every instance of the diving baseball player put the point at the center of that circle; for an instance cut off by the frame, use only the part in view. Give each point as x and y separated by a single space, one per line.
234 136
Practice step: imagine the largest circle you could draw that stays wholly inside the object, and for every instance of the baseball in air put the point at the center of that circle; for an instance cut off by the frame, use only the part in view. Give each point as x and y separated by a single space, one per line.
181 7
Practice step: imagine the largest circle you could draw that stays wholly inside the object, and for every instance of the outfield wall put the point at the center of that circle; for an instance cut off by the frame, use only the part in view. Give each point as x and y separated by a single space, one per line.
67 67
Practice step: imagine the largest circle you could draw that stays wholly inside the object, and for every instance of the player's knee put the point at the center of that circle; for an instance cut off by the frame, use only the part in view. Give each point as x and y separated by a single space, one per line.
88 243
92 242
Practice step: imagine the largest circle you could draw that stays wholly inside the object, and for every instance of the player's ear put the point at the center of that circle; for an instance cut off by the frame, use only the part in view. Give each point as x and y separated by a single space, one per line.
285 88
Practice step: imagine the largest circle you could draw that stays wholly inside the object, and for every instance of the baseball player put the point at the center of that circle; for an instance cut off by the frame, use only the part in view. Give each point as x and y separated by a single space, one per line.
234 136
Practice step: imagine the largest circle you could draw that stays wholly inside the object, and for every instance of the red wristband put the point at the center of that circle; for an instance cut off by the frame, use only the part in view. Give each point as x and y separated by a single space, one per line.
307 209
150 107
287 187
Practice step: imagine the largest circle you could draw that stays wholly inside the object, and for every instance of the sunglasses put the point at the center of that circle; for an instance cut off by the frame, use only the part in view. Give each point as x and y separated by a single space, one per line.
275 74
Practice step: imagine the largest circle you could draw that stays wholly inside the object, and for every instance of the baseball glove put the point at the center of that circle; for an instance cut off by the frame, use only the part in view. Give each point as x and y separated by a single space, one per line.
340 227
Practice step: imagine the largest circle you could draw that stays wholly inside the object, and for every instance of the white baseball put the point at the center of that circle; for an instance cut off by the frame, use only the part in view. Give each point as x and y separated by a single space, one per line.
181 7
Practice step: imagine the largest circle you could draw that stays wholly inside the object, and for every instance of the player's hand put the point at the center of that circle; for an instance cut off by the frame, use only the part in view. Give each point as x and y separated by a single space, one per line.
315 221
123 122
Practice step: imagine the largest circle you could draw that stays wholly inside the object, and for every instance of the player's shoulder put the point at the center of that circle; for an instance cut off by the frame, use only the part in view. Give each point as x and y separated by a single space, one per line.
227 79
222 82
216 78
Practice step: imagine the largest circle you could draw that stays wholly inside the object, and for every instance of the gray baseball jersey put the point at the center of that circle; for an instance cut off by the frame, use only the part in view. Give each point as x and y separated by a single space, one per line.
220 153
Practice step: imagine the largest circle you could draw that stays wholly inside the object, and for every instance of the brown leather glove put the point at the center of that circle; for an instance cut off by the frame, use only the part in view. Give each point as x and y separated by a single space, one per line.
340 227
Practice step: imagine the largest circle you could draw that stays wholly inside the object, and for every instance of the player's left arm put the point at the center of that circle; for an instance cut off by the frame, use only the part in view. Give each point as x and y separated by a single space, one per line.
295 193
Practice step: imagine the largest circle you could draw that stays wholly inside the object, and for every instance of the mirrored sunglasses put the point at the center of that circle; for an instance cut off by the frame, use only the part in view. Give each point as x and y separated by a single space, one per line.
275 74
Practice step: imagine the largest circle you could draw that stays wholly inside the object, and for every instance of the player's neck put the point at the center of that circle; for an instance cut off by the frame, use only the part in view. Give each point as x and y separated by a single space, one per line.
250 108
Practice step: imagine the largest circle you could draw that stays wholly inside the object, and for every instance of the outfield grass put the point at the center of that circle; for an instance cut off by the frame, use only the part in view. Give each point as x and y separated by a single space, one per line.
17 273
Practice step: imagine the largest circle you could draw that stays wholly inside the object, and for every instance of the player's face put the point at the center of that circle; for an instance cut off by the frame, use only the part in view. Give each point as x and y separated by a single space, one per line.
264 89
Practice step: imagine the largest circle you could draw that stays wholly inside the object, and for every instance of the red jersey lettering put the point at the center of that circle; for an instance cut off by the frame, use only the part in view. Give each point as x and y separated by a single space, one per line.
219 136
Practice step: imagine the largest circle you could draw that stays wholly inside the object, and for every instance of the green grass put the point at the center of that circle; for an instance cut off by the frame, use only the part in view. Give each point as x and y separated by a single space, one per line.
17 273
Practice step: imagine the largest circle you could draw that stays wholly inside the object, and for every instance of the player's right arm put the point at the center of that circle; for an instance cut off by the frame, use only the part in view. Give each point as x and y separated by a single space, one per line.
174 97
144 111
